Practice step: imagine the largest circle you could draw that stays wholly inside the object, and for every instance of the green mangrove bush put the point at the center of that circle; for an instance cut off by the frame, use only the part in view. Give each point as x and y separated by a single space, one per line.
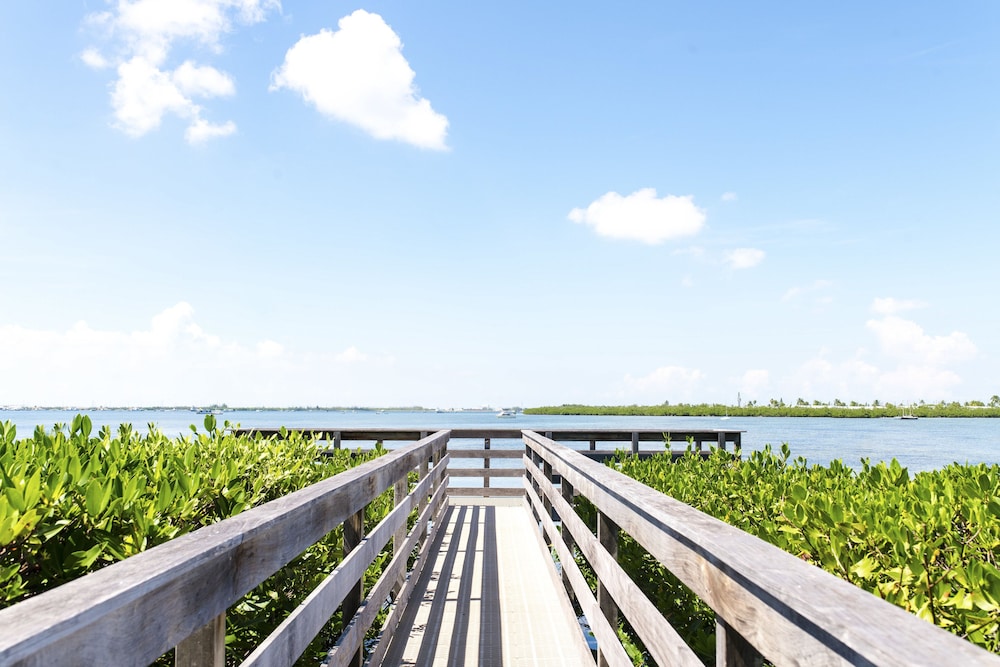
928 543
72 501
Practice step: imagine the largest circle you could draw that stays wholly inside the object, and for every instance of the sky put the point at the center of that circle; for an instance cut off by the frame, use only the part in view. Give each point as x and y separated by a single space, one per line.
455 204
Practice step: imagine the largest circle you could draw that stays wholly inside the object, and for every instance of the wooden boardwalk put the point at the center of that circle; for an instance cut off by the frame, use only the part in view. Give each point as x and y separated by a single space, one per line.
488 597
471 574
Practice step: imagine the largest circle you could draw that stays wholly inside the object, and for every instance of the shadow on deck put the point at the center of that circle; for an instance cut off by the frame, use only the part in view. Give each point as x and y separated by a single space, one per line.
488 598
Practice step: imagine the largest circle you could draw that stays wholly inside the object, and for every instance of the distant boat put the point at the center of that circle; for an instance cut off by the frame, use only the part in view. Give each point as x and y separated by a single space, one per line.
725 416
506 413
908 413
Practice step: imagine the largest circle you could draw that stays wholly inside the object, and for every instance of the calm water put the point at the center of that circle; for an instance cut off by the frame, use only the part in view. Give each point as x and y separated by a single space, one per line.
922 444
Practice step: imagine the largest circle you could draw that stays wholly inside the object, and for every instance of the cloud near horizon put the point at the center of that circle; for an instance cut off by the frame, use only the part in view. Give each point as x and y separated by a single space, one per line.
642 216
358 75
84 365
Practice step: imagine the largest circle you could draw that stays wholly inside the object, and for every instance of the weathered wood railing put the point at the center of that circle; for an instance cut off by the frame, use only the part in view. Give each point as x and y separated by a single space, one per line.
177 594
768 603
505 463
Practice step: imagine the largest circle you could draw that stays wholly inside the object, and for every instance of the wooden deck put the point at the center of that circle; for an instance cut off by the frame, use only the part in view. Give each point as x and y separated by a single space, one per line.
490 597
471 577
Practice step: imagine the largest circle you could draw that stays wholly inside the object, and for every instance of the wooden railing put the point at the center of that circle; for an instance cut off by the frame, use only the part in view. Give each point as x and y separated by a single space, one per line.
177 594
768 603
505 463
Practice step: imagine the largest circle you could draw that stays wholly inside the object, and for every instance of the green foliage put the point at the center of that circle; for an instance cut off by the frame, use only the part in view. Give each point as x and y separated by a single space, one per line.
928 543
71 503
775 408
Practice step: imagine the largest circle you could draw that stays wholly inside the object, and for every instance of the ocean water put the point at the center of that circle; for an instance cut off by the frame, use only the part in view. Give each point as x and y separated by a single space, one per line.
922 444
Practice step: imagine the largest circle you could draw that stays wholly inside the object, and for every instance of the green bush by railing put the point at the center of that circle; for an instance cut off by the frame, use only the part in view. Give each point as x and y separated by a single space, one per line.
928 543
72 502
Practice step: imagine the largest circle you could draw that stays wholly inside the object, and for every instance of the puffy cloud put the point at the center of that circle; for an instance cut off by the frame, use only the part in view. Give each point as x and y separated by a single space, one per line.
143 34
94 59
890 306
358 75
172 360
203 81
667 382
754 382
642 216
201 130
744 258
906 340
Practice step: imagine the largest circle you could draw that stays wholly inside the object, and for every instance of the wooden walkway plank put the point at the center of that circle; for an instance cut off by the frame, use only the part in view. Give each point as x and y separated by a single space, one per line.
489 598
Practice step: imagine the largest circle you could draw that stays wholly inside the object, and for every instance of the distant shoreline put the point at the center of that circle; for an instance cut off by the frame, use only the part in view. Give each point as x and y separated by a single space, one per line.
717 410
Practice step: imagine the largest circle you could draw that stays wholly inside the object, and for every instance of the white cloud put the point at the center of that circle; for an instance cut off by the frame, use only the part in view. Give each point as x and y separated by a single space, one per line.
890 306
351 355
358 75
754 383
744 258
93 58
729 197
143 33
674 383
913 365
172 360
203 81
905 340
143 94
796 292
641 216
201 130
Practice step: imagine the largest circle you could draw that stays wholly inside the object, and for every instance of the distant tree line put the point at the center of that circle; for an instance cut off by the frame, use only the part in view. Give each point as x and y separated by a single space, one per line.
777 407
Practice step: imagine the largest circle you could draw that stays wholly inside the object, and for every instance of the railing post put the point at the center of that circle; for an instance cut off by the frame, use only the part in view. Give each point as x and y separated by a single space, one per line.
546 501
607 535
486 463
422 500
336 439
736 444
206 647
566 490
732 649
635 443
354 532
399 492
722 440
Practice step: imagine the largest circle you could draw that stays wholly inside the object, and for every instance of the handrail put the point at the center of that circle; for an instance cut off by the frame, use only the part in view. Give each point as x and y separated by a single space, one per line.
768 603
461 469
175 594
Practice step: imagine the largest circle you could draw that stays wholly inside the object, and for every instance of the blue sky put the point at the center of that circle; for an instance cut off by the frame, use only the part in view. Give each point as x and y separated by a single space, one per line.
459 204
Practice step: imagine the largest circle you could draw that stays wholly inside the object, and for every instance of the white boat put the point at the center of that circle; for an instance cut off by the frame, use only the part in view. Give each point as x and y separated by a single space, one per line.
506 413
908 413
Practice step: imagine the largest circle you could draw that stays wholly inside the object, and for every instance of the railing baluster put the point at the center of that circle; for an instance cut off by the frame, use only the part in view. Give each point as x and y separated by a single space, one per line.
399 493
206 647
732 649
566 490
607 535
486 463
354 532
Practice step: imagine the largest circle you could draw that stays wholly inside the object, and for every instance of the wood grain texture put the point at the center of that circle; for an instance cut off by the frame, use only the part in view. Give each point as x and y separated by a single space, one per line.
290 639
664 644
481 492
607 637
132 612
791 612
350 641
486 472
206 647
